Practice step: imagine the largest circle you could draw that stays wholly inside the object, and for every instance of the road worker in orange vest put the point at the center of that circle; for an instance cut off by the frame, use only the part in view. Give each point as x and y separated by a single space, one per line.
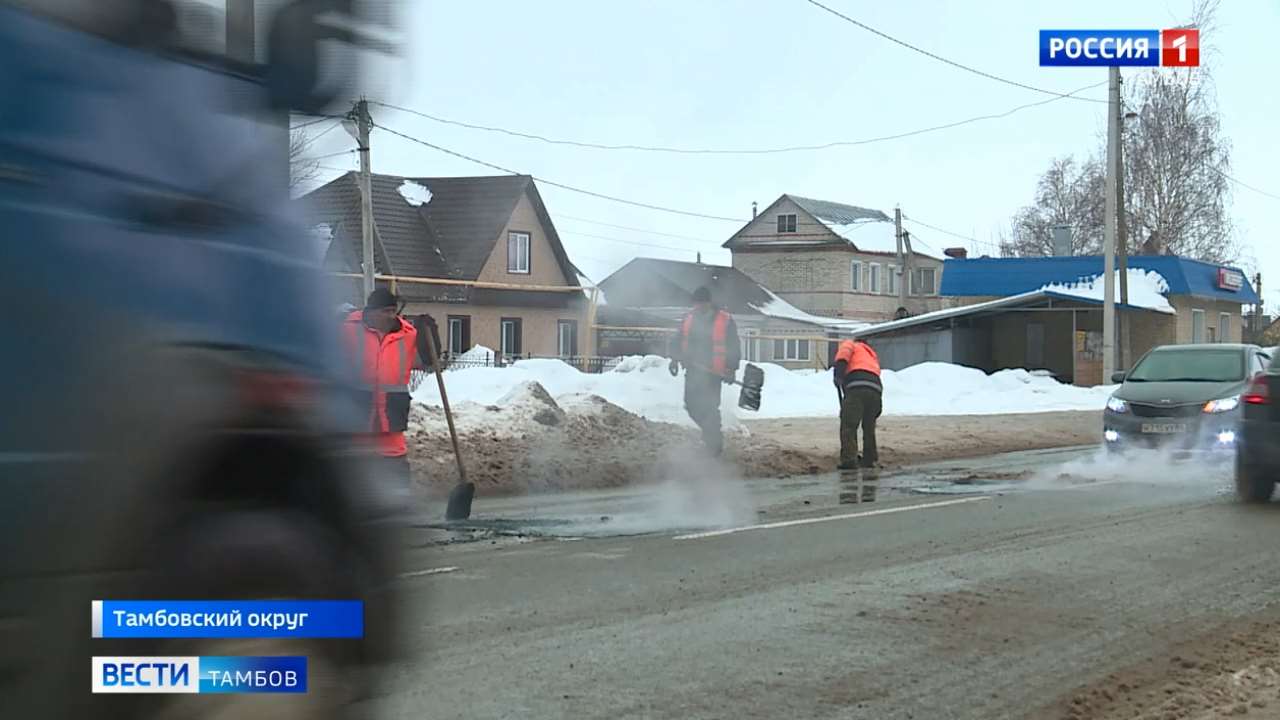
857 374
384 347
707 345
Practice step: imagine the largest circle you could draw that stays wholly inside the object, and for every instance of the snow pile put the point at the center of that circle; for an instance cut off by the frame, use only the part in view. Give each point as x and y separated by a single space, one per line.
644 387
414 194
1147 289
477 353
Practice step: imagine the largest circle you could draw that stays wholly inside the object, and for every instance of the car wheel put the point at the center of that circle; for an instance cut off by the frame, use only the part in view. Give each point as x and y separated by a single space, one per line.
264 554
1252 485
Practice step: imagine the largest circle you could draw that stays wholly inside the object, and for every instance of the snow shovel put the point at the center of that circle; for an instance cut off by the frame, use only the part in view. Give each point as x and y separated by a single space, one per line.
752 384
464 492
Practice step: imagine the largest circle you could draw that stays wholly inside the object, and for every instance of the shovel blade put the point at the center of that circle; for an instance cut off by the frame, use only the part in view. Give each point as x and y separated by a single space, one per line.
460 498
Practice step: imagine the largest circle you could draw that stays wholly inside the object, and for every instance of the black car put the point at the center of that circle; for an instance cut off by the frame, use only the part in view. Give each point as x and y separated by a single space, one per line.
1258 455
174 422
1182 397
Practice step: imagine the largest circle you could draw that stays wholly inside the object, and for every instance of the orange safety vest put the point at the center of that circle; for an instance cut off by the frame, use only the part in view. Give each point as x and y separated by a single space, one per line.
719 340
858 356
383 364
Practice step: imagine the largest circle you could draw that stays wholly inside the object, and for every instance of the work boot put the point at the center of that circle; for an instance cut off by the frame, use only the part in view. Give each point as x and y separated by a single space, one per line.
848 465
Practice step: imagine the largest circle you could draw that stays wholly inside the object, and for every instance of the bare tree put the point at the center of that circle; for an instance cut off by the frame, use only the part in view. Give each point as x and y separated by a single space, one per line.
1176 162
1068 193
301 170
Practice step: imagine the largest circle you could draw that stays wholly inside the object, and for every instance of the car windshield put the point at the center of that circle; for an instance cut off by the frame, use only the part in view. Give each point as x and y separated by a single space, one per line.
1190 366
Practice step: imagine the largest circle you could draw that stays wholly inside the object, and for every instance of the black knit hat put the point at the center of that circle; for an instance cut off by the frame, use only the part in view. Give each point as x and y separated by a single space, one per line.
381 298
702 294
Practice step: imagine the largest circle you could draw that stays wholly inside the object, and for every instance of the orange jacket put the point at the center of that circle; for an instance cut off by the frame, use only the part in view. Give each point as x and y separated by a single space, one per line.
722 346
858 356
383 365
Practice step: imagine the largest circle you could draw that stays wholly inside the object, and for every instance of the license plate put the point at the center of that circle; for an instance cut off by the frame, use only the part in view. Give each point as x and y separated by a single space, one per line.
1163 428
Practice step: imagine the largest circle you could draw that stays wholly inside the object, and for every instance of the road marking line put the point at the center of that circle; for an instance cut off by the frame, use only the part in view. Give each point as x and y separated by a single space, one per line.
431 571
829 518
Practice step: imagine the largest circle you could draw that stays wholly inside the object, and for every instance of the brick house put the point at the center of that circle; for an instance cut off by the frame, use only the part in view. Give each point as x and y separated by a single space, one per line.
836 260
472 229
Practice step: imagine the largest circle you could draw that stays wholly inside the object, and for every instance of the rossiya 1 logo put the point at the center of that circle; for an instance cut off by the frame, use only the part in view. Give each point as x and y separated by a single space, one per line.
1178 47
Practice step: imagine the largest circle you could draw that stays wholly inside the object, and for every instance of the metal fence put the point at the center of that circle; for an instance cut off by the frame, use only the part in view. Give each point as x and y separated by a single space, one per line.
583 363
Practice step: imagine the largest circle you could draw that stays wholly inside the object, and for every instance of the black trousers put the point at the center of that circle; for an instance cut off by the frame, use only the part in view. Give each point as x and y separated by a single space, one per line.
702 402
861 406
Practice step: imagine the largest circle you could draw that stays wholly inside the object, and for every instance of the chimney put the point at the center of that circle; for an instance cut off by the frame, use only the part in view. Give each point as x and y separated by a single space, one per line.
753 209
699 258
958 253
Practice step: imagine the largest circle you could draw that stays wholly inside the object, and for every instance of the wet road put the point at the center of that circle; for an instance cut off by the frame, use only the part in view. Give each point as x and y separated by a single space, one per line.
982 589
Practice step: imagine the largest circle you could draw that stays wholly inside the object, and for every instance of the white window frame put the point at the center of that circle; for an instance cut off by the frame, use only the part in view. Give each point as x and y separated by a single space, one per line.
518 329
1224 327
891 280
873 278
572 327
917 281
786 223
792 349
455 331
1197 315
855 269
519 247
750 345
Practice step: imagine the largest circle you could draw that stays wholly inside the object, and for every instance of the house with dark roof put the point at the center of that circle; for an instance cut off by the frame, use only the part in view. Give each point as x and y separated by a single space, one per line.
648 297
838 260
488 236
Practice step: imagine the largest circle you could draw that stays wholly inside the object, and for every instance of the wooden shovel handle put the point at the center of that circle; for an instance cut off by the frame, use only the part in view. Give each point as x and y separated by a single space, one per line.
448 414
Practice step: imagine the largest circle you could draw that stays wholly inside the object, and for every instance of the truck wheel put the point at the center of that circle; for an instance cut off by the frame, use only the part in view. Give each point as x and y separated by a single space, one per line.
1252 485
264 554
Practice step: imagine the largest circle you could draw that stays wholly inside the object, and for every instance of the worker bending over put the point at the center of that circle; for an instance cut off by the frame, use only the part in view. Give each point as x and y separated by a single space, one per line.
857 374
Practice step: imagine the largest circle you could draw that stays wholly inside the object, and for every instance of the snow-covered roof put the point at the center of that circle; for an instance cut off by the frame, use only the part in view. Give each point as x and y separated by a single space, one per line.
414 193
871 236
776 307
1147 290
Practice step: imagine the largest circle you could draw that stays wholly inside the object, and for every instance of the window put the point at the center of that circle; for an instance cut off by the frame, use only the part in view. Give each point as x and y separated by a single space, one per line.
924 281
750 345
873 284
567 338
891 279
1191 364
1224 327
791 349
459 334
518 252
856 266
512 331
786 223
1197 326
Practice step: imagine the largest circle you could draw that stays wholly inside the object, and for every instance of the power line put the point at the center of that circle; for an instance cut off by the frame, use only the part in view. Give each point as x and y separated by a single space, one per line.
941 230
625 227
941 59
739 151
332 155
629 242
1243 184
327 130
562 186
319 119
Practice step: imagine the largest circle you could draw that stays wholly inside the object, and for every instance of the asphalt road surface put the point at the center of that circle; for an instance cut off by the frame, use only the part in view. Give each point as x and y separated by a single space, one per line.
984 589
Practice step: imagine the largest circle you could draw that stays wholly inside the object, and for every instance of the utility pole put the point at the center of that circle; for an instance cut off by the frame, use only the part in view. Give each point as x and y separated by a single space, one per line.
905 274
1122 242
1109 235
366 195
240 31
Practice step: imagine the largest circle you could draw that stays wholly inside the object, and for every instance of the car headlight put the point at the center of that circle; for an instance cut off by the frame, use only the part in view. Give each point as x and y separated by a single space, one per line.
1116 405
1222 404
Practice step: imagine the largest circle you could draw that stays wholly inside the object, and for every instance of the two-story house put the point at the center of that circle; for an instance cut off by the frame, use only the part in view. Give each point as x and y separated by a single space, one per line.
837 260
491 235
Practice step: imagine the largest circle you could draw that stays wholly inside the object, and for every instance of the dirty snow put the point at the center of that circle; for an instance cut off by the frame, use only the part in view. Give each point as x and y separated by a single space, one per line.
643 386
1147 289
413 193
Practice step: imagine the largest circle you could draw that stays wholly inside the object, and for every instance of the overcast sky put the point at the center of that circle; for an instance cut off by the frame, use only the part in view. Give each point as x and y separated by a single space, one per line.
725 74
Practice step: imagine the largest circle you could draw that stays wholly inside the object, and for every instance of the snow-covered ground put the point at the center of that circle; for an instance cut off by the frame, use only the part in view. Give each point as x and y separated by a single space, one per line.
642 385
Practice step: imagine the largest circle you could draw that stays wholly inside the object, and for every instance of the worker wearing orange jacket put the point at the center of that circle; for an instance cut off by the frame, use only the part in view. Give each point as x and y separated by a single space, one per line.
857 374
707 345
384 348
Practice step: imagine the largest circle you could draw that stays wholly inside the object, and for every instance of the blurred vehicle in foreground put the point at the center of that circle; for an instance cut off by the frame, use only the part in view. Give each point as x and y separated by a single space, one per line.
1258 456
174 423
1184 398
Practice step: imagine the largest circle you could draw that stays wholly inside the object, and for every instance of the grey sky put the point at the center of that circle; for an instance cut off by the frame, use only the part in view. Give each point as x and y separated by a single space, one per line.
722 74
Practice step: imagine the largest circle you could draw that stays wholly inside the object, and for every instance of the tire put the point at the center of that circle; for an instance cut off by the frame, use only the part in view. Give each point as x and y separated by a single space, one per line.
1252 485
264 554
